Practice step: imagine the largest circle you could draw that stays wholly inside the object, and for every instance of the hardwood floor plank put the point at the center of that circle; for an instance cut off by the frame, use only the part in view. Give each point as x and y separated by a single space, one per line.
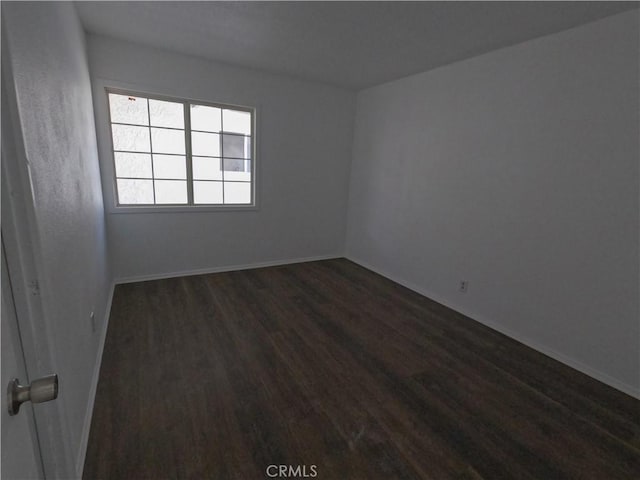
328 364
616 413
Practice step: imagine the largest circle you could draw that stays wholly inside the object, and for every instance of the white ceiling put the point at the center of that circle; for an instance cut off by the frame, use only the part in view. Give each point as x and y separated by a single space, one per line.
349 44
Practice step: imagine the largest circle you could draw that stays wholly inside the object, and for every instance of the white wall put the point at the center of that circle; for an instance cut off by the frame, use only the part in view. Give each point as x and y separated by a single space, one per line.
304 136
53 92
518 172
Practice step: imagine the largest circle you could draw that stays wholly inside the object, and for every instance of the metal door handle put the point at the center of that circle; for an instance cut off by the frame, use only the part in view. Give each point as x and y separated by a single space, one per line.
41 390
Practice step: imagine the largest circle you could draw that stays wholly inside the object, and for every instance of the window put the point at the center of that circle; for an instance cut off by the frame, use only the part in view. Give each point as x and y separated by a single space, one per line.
177 152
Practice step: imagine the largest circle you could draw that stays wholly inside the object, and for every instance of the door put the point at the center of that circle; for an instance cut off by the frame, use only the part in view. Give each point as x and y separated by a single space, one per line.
34 441
20 451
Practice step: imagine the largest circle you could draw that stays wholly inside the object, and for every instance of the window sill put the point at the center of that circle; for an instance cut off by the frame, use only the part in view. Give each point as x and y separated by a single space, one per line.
184 209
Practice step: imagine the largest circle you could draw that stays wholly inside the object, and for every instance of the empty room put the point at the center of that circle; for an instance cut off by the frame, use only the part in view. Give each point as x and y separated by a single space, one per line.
332 240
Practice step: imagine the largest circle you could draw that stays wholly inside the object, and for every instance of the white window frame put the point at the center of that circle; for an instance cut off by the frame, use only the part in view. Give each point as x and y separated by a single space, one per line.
190 206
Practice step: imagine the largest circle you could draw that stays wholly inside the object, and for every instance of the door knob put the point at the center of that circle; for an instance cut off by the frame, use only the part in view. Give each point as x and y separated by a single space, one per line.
41 390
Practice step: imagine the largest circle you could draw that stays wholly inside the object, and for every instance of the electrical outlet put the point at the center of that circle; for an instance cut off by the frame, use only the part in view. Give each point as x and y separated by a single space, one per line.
463 286
92 317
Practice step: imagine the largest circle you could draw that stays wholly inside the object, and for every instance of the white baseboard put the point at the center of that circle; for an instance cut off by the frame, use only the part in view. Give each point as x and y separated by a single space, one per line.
84 438
225 268
575 364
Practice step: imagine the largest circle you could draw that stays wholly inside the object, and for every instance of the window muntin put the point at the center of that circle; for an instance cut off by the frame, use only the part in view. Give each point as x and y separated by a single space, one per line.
179 152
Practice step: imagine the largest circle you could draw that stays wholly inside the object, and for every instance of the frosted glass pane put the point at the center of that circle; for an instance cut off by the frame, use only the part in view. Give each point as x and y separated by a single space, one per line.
207 192
136 165
166 114
167 141
171 191
169 166
205 118
237 192
132 192
236 146
236 121
205 168
207 144
135 139
237 170
128 109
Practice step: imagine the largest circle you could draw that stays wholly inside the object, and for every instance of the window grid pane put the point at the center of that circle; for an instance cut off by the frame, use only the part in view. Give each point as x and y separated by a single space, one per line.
208 192
128 109
165 114
171 192
237 193
169 167
216 142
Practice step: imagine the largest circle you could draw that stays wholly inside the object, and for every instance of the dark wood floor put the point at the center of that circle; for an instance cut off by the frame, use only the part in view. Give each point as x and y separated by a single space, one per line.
328 364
